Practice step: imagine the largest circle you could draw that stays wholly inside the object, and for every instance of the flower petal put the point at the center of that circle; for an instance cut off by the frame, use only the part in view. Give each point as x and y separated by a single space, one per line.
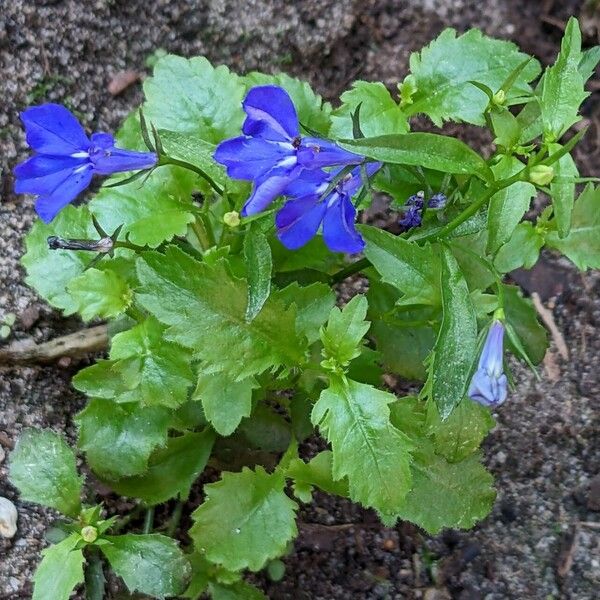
42 174
267 188
352 184
103 140
309 183
117 160
315 153
270 113
339 231
52 129
486 390
299 220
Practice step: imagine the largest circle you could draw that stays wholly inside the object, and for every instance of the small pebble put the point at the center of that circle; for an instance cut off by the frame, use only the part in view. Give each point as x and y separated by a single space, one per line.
8 518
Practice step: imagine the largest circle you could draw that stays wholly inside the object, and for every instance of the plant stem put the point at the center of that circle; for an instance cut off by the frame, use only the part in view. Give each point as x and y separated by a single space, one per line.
135 512
169 160
174 520
94 576
149 520
355 267
200 231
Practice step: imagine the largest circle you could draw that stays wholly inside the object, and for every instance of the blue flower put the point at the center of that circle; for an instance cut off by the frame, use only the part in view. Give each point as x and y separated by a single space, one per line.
489 384
414 211
299 219
437 201
66 159
271 153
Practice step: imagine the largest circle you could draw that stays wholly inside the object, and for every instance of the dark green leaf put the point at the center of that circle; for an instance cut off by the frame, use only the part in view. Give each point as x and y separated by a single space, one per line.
259 265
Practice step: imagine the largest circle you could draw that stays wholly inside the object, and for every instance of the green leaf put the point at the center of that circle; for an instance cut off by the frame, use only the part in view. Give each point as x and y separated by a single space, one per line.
245 521
312 111
43 467
379 112
259 265
240 590
455 349
367 448
316 472
521 250
100 294
342 336
50 271
562 190
150 564
507 207
172 470
191 96
428 150
225 402
143 367
442 73
506 127
205 307
118 439
411 268
563 87
469 252
60 570
582 244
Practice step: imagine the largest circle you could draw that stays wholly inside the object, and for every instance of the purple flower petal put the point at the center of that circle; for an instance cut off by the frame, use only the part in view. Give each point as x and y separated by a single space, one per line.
267 189
270 113
103 140
299 220
309 183
315 153
43 174
488 391
117 160
339 231
52 129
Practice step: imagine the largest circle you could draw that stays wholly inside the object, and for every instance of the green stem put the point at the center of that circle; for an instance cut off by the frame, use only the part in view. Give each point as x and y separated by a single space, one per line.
94 576
174 520
200 231
134 514
355 267
149 520
169 160
128 245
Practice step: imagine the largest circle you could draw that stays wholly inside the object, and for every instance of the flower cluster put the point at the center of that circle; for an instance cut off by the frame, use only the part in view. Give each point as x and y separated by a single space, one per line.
413 215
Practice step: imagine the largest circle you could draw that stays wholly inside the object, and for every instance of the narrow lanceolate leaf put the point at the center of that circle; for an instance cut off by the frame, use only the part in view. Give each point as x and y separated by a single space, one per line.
245 521
562 191
60 571
205 307
428 150
367 448
412 269
455 349
150 564
42 467
100 294
259 265
118 439
582 245
442 73
563 91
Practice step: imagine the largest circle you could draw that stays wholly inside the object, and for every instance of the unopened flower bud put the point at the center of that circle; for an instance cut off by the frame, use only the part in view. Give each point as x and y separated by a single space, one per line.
499 98
541 174
89 534
232 219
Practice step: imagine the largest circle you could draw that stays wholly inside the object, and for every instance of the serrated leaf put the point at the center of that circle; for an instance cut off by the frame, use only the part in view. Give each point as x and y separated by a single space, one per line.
60 570
99 294
266 430
150 564
367 448
562 190
582 244
259 266
379 112
118 439
521 250
172 470
411 268
442 72
316 472
245 521
143 368
205 307
455 349
428 150
50 271
42 467
342 336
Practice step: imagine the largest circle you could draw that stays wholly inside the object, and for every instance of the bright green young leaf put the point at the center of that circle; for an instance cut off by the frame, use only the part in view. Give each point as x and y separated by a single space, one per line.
42 467
411 268
582 245
205 307
240 590
150 564
118 439
60 571
521 250
172 470
259 266
245 521
562 190
563 88
191 96
379 112
456 346
506 127
225 402
367 448
342 336
316 472
143 367
99 294
428 150
443 70
50 271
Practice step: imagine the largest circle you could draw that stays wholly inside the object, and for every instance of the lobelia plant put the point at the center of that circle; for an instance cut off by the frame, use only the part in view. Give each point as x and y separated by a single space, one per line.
228 350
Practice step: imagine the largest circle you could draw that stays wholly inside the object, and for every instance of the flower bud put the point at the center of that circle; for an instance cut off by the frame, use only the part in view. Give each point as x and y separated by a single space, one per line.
499 98
232 219
541 174
89 534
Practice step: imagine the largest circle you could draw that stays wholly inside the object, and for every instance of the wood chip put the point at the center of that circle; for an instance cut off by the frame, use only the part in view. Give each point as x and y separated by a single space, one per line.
121 81
548 318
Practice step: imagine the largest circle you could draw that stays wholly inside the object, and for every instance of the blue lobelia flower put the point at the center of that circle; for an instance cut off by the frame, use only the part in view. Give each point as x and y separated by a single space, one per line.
271 153
414 211
437 201
66 159
299 219
489 384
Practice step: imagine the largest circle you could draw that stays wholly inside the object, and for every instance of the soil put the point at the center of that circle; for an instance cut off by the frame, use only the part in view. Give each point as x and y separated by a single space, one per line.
541 540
